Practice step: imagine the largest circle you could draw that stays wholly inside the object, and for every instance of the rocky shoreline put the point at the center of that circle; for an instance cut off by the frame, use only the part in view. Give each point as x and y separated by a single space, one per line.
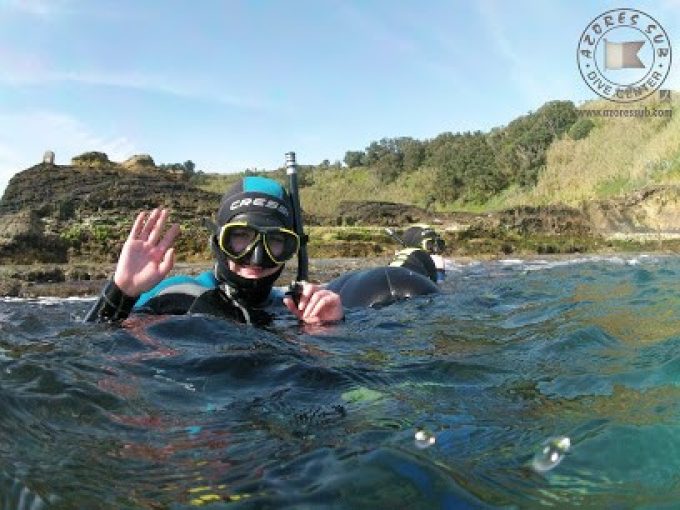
67 280
62 237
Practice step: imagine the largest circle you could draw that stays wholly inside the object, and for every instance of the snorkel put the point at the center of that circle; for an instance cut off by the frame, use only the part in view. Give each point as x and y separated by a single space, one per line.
394 236
303 259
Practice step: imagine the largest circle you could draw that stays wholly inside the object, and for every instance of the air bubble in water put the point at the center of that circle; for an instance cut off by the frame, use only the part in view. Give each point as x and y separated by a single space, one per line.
551 454
424 439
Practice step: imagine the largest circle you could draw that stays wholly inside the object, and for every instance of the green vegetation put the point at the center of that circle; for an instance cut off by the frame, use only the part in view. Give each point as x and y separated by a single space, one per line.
186 169
102 233
549 156
581 128
91 159
619 154
73 235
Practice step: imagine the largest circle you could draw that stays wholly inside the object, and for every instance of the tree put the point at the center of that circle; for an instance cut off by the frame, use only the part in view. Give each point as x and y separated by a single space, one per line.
467 168
521 147
413 153
354 158
189 167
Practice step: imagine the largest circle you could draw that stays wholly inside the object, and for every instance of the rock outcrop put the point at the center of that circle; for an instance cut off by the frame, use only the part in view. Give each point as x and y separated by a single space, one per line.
387 214
139 161
91 159
542 220
23 239
652 210
85 212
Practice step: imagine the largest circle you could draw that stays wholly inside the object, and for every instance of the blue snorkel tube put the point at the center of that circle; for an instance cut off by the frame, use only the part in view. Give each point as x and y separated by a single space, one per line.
303 260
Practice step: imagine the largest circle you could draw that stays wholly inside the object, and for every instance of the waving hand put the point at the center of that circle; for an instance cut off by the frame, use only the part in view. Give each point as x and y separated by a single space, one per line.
146 258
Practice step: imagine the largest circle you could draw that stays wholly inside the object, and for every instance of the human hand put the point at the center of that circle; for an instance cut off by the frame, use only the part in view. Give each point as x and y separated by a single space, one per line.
146 258
316 305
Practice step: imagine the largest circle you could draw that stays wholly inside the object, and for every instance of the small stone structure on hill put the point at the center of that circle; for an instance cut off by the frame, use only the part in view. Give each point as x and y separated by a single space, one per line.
48 158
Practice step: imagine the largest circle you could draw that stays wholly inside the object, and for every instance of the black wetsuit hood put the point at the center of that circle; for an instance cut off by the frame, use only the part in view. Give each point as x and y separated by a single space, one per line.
249 291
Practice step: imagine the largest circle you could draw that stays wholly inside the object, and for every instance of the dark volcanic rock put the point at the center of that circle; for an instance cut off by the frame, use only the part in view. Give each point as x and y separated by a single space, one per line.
22 238
63 191
52 213
386 214
542 220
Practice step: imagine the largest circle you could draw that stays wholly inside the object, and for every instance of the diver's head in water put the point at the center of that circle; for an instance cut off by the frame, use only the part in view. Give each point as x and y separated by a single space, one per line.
255 237
417 261
425 238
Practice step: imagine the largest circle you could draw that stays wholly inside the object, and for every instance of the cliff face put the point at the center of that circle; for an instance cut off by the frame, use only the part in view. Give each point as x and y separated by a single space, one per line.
653 210
66 192
55 213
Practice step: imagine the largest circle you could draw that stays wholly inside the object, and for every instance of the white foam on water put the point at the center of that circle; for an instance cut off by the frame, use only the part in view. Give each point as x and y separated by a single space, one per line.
47 300
510 262
531 264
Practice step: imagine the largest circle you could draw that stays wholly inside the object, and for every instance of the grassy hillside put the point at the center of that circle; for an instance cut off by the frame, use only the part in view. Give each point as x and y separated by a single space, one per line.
618 155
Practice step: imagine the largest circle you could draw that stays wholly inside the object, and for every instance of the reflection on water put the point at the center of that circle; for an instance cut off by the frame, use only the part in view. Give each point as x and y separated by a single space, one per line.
525 385
550 454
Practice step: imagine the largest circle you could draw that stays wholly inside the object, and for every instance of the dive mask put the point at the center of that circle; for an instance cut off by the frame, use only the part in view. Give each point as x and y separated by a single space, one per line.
240 239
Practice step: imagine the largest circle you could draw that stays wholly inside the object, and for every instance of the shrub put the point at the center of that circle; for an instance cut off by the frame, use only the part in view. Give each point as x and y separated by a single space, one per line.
580 129
91 159
102 233
73 235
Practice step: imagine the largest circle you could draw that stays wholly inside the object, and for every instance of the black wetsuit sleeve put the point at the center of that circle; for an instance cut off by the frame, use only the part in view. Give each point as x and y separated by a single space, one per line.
113 305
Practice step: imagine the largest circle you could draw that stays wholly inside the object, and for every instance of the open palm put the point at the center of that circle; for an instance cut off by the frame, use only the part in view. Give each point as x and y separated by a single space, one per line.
146 258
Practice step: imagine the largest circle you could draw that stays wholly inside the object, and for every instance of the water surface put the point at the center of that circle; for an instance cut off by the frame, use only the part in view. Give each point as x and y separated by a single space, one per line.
180 412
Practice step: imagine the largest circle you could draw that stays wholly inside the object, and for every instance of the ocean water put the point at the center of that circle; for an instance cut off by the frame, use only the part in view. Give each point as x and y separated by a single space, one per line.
526 384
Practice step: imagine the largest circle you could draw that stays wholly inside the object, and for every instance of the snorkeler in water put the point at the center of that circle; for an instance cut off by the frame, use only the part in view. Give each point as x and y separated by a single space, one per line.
411 273
425 238
258 228
252 239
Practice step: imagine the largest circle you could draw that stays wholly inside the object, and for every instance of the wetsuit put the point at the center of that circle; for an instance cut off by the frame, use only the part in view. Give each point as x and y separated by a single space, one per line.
412 273
380 286
180 295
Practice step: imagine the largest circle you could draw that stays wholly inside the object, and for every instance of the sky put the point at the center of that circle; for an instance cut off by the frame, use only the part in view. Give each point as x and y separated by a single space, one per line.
235 84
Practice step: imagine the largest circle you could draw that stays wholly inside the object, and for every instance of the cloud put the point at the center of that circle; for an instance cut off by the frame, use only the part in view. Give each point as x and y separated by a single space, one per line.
37 8
22 68
24 137
29 71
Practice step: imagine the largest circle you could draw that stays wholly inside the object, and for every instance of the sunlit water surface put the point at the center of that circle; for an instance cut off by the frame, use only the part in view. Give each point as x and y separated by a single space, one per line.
524 385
